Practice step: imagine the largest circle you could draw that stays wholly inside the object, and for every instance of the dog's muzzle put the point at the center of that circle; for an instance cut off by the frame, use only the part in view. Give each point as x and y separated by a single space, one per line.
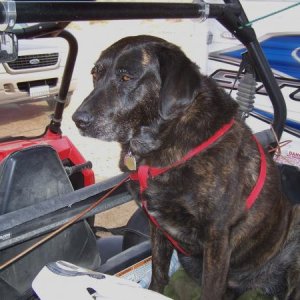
82 119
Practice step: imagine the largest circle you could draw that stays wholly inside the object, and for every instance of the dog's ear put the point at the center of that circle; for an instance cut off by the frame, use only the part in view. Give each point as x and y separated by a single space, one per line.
180 80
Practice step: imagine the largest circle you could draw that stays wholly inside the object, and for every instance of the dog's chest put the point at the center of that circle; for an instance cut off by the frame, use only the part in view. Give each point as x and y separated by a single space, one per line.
173 209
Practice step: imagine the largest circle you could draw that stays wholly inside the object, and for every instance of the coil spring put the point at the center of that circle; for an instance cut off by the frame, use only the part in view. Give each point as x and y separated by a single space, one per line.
246 94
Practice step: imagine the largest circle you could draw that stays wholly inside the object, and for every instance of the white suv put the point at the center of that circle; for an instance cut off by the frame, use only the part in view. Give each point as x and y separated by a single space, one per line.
36 74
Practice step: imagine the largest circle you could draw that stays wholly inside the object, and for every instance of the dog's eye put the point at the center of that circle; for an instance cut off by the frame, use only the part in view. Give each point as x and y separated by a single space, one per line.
125 77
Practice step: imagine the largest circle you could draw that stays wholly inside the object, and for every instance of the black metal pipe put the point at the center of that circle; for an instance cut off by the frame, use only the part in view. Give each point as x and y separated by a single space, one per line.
248 37
217 10
266 76
66 80
2 13
34 11
51 29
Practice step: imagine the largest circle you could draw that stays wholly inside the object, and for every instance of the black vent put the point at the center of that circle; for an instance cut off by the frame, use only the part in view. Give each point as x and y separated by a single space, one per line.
34 61
25 86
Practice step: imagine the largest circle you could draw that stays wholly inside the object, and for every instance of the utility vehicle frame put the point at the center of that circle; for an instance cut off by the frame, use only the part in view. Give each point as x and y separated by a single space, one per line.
31 167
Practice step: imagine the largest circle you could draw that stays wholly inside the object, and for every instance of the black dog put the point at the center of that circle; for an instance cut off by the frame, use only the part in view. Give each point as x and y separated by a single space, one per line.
153 100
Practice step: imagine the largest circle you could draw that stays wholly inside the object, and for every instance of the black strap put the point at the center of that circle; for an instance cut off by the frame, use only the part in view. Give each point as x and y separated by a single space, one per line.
26 214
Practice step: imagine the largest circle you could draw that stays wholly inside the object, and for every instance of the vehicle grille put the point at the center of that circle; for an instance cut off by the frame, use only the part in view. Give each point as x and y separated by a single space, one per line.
25 86
34 61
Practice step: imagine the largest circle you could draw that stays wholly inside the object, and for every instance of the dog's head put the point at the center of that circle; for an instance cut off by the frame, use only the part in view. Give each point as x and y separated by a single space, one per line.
139 83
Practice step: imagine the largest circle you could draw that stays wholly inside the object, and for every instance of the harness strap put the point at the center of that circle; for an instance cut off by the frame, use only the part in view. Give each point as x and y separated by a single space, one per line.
175 244
261 177
144 172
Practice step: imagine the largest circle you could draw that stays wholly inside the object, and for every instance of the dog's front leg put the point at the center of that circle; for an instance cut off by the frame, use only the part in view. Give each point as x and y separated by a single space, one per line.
216 260
161 256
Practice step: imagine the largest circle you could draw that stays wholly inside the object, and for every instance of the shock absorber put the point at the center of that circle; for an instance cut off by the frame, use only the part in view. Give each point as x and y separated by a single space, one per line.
245 98
246 94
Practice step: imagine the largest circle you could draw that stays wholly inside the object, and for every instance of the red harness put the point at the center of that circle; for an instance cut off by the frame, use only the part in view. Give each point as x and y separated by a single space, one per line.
144 172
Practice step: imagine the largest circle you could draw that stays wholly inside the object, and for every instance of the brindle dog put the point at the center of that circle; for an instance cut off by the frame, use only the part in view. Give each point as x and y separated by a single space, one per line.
152 99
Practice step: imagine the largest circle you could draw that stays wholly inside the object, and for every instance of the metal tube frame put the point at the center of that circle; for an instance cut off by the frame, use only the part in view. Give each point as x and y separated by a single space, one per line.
55 123
57 11
234 23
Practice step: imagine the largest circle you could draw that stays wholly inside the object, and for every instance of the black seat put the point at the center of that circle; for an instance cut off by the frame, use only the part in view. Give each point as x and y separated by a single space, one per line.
28 177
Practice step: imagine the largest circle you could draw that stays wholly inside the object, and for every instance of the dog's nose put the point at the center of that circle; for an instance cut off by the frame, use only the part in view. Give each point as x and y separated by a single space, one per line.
82 119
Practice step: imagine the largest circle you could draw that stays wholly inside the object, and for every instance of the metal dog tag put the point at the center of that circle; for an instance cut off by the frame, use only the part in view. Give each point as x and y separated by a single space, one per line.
130 162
